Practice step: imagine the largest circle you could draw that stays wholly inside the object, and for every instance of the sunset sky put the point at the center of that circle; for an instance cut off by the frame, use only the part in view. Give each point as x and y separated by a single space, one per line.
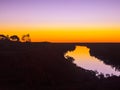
62 20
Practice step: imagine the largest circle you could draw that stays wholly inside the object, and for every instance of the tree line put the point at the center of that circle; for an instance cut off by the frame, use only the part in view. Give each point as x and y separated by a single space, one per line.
15 38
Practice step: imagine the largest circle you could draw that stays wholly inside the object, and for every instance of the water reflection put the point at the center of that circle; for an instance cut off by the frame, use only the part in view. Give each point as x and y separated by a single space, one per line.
84 60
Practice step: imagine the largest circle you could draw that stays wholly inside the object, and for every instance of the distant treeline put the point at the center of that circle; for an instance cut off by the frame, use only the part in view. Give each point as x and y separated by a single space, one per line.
15 38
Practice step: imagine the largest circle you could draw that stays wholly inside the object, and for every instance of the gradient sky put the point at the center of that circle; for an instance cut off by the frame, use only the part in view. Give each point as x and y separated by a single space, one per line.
62 20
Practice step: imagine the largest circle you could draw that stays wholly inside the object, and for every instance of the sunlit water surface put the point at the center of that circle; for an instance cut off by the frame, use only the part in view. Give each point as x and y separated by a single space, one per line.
83 59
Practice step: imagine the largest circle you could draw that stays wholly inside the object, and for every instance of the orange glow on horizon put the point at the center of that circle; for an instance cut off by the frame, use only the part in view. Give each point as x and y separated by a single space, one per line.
65 33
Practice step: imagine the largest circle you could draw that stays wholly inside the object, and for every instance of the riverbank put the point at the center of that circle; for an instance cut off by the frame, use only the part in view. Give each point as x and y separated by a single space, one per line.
33 66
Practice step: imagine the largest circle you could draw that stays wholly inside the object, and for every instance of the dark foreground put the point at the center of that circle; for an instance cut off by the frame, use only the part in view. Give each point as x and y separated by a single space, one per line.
42 66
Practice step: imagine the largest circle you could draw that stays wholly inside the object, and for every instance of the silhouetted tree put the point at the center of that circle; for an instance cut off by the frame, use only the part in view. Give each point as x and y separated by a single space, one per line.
4 38
26 38
14 38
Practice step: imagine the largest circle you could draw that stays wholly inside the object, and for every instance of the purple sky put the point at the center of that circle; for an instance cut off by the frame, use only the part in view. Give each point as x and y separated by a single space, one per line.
59 11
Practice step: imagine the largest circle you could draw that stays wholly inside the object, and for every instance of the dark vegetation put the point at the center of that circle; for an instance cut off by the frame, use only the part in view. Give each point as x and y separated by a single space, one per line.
14 38
42 66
